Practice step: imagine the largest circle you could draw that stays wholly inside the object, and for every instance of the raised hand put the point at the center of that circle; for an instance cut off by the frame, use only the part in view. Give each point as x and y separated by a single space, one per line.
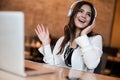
43 34
88 29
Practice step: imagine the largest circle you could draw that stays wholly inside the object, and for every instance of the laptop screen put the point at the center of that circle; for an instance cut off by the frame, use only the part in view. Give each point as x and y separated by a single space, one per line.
12 41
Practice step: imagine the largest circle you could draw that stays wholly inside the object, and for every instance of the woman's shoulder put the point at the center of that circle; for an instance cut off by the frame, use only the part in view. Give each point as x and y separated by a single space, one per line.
59 41
96 37
61 38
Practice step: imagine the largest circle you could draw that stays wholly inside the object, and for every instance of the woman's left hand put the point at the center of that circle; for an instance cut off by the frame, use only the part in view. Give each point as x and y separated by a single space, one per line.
88 29
43 34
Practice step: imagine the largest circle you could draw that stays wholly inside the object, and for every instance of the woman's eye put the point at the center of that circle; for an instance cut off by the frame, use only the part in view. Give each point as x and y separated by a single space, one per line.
89 14
80 11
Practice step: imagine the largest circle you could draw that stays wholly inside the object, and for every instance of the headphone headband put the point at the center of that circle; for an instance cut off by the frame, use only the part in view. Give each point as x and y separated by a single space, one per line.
71 7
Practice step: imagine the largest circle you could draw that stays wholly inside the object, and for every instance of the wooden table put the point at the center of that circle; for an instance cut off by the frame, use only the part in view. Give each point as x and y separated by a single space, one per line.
60 74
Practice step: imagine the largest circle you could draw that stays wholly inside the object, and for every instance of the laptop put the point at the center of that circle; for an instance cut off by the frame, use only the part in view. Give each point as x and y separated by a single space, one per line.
12 56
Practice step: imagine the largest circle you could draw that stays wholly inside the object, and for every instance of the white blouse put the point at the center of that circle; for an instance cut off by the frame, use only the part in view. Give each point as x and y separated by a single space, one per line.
85 57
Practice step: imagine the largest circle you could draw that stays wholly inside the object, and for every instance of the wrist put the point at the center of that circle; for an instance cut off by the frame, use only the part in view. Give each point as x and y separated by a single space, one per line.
46 42
82 34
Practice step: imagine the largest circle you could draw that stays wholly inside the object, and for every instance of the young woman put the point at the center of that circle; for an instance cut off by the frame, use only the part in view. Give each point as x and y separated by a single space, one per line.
79 48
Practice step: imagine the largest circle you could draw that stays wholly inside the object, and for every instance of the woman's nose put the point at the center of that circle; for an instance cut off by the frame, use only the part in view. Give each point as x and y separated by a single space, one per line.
83 15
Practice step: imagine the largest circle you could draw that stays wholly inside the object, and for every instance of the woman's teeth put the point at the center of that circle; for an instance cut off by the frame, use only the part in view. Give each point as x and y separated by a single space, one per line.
81 20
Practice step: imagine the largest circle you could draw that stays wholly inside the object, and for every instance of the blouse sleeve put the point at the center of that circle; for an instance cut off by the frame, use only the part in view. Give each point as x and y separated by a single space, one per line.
91 50
49 57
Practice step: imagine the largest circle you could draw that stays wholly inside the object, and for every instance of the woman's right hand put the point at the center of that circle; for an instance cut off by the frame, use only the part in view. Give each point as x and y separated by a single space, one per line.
88 29
43 34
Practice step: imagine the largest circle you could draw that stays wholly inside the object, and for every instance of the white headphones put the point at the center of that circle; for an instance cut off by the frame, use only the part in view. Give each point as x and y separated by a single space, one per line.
71 8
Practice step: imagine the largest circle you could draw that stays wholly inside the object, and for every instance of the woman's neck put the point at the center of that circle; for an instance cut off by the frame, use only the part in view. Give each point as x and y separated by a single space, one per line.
78 32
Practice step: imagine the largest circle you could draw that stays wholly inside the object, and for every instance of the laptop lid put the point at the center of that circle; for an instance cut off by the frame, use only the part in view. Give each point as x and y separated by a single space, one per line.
12 41
12 55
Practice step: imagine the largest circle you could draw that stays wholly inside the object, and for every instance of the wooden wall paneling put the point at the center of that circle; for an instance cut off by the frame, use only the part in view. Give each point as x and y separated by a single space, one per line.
115 37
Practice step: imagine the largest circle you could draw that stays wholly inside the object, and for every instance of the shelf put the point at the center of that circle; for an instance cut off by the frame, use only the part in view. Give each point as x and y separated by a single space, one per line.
114 59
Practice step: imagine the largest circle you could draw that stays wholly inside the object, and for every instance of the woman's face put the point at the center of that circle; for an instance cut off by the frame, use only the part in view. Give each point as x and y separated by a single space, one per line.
83 17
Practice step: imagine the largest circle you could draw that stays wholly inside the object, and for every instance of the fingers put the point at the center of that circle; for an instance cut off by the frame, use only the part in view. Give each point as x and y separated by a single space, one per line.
92 25
47 31
37 30
41 29
44 29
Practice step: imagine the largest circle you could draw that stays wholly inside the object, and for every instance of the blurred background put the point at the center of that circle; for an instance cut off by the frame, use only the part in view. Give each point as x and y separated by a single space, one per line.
53 14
